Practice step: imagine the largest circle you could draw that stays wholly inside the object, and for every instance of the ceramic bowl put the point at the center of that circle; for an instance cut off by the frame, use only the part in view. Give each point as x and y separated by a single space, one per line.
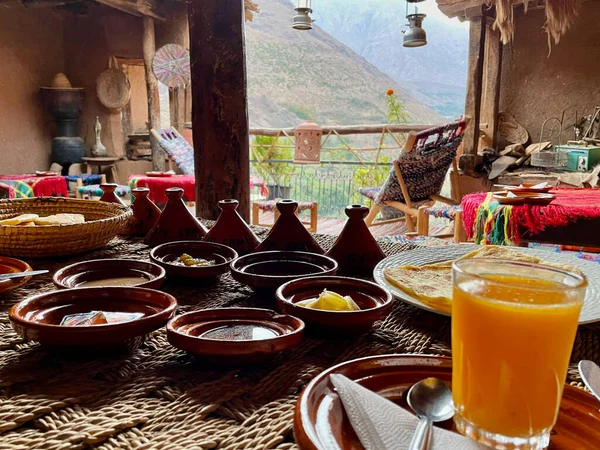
110 272
375 303
221 254
11 265
38 318
235 335
269 270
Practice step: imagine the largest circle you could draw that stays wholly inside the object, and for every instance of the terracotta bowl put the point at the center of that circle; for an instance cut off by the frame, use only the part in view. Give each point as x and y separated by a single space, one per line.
38 318
11 265
269 270
221 254
110 272
235 335
375 303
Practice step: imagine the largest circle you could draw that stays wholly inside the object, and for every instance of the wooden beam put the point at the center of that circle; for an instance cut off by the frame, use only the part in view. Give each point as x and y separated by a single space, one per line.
140 8
347 129
492 70
219 105
468 159
148 50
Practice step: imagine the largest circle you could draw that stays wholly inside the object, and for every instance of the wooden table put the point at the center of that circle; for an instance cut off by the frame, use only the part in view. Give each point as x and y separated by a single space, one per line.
100 162
161 398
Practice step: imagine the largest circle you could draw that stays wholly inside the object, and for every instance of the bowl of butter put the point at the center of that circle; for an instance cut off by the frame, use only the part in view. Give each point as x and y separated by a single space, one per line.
334 305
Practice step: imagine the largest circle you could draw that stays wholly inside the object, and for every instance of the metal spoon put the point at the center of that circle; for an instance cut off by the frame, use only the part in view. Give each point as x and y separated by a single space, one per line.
590 374
9 276
432 401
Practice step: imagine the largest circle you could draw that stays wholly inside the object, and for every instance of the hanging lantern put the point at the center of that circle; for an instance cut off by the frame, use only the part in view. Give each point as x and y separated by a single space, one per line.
415 35
308 143
302 20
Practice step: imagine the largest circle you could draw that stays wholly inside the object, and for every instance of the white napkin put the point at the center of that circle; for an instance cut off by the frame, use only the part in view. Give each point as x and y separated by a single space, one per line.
382 425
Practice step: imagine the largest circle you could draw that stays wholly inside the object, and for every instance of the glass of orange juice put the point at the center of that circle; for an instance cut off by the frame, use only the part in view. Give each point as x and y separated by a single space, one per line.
513 328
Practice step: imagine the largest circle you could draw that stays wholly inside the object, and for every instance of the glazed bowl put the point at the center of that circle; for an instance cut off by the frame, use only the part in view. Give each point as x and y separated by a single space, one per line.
269 270
235 335
11 265
38 318
375 304
110 272
221 254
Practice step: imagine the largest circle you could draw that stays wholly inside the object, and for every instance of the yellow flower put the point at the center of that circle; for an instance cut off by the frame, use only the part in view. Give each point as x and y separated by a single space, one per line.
389 92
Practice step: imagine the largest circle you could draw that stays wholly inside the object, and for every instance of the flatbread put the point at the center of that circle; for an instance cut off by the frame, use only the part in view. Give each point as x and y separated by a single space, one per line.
60 219
23 218
432 283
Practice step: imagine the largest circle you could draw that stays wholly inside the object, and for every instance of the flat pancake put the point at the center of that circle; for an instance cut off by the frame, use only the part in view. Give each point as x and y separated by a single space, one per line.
23 218
60 219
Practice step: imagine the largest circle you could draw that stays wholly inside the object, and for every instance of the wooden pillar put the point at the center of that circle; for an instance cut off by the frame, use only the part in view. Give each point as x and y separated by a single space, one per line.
490 95
219 105
468 159
177 108
148 49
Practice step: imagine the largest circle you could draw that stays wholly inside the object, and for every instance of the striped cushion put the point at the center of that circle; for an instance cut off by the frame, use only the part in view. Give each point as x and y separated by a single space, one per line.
271 205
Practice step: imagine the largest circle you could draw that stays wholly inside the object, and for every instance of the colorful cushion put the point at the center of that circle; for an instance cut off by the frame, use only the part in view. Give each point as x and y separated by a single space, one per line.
181 152
370 192
86 179
444 211
271 205
93 190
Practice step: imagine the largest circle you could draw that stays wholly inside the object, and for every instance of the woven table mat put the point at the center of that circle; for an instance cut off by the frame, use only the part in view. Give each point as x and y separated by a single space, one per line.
158 397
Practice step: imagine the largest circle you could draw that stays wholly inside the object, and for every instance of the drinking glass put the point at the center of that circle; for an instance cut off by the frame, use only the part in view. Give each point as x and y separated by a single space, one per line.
513 328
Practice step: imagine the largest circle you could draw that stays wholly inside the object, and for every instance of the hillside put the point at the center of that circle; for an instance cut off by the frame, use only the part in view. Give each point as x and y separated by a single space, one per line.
294 75
435 73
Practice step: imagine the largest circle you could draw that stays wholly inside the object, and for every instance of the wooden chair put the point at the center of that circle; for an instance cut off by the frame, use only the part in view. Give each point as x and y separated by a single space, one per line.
418 175
177 148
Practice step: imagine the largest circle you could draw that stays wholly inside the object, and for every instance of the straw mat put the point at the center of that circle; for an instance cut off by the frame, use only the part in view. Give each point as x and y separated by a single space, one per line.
160 398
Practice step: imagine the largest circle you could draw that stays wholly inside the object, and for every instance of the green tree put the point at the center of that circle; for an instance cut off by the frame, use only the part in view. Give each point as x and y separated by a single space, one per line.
266 148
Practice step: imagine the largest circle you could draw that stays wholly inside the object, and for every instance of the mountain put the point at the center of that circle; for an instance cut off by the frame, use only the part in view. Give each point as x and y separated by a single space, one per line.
294 75
435 73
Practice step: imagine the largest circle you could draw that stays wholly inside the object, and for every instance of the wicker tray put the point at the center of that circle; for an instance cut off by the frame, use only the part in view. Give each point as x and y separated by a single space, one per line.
103 222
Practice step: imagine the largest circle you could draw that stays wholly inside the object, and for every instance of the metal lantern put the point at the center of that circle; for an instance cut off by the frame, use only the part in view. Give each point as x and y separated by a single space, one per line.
415 35
302 19
308 143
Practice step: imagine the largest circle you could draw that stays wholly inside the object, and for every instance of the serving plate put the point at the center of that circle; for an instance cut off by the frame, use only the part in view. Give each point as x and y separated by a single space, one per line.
525 188
320 422
523 198
11 265
430 255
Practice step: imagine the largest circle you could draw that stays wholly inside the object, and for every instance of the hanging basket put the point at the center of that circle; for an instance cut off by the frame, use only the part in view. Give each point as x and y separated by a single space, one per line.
113 87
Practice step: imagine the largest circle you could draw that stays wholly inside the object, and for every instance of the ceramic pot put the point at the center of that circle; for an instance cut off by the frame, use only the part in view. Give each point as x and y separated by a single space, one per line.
108 194
288 233
145 213
176 222
231 230
356 250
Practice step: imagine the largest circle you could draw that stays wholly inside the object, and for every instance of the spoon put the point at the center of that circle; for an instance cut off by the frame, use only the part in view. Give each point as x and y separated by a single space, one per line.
9 276
432 401
590 374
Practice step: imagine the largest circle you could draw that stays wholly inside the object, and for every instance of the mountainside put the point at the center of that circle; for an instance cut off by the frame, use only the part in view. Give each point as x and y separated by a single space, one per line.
294 75
435 73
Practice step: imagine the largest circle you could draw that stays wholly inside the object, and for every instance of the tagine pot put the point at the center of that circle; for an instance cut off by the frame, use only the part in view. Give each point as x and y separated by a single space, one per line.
109 195
356 250
289 233
176 222
145 213
231 230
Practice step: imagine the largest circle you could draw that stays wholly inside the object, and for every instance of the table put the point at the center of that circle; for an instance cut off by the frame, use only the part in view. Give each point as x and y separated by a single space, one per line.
100 162
160 398
573 218
30 185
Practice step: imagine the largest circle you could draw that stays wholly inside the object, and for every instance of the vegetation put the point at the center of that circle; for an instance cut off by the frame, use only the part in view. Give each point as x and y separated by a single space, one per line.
396 111
263 149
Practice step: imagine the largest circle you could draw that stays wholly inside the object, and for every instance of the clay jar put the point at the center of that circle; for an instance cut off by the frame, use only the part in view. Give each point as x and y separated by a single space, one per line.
231 230
108 194
288 233
145 213
356 250
176 223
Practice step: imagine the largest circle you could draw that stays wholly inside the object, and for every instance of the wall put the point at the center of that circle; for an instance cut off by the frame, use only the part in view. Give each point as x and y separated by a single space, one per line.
31 52
536 86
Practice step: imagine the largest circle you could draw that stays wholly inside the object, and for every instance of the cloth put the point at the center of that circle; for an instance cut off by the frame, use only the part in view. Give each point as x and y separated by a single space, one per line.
53 186
95 191
380 424
255 181
488 222
179 150
17 189
86 179
370 192
158 185
444 211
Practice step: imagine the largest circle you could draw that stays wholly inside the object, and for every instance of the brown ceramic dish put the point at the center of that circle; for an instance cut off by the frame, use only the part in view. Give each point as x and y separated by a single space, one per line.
524 198
235 335
375 303
320 416
38 318
525 188
220 254
269 270
110 272
11 265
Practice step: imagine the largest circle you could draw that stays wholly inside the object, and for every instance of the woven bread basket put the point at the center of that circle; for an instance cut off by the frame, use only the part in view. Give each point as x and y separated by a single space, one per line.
103 222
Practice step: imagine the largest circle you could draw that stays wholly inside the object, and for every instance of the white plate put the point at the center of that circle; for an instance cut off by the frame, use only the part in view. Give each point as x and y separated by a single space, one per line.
429 255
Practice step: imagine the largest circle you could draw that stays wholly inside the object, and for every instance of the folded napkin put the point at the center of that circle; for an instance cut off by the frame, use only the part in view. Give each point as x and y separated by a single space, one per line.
382 425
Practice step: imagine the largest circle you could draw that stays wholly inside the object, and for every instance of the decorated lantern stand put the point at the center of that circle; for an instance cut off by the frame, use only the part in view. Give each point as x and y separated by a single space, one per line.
308 143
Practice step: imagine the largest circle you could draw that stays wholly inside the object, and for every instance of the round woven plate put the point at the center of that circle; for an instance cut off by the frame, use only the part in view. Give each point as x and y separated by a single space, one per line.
420 257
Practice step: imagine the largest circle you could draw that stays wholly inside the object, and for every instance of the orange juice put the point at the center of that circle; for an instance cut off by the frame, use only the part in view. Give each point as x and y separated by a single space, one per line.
512 337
